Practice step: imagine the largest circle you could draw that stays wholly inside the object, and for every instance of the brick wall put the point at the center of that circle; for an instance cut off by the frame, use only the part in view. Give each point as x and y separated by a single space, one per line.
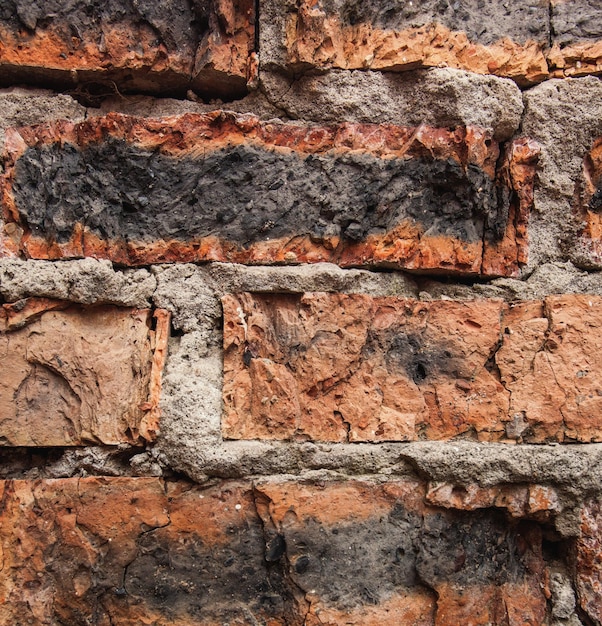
300 313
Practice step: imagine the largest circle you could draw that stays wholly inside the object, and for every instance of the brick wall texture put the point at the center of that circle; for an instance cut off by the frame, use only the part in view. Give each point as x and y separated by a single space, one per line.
301 313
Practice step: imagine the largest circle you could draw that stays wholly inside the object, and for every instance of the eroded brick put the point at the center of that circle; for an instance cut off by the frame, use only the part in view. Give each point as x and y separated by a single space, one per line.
231 188
589 203
589 561
364 552
135 551
104 48
483 37
333 367
74 375
577 38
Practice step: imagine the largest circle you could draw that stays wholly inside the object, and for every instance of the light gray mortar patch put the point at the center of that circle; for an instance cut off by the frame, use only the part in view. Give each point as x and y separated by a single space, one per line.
147 106
443 97
87 281
25 107
564 117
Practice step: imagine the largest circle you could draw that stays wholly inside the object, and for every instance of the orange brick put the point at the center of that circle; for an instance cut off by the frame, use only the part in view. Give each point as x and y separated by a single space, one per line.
107 48
144 551
330 367
589 561
221 187
486 38
75 375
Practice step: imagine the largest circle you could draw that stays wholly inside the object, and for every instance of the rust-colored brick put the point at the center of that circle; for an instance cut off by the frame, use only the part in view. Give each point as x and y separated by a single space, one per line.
589 561
577 38
483 37
231 188
333 367
102 48
73 375
143 551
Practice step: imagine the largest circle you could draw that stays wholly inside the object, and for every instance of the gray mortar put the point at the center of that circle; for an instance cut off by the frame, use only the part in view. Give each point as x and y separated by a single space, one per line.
147 106
436 97
564 117
575 21
26 107
87 281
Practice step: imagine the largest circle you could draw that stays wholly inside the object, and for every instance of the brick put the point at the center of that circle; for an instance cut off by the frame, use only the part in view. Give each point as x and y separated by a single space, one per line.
104 48
589 203
223 187
75 375
482 37
366 552
144 551
577 38
331 367
520 501
589 561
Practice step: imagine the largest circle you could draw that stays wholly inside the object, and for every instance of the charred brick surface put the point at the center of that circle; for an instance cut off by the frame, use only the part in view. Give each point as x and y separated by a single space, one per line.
133 550
234 189
247 194
104 48
484 21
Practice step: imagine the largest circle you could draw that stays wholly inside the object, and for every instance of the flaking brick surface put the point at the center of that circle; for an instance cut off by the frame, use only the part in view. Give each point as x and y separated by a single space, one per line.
231 188
332 367
73 375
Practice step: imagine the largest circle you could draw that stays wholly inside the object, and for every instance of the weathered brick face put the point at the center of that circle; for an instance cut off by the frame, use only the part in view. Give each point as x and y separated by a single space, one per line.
227 188
123 46
483 37
74 375
279 553
355 368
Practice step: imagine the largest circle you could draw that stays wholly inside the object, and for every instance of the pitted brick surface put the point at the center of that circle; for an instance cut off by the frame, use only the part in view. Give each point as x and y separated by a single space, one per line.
104 48
74 375
484 37
353 368
283 553
231 188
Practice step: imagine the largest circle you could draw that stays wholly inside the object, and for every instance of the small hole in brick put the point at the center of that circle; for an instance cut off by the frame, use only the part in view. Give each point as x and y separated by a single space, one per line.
419 373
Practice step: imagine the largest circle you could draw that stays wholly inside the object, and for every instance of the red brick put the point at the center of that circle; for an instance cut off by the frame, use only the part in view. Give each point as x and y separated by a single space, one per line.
340 538
577 39
107 48
483 38
143 551
223 187
589 561
589 204
75 375
330 367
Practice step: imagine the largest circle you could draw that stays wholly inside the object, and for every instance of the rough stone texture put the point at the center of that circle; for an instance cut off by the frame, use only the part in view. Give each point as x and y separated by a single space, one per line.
75 376
23 107
483 37
103 48
87 281
354 548
589 202
564 117
355 368
589 561
231 188
146 551
577 28
436 97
